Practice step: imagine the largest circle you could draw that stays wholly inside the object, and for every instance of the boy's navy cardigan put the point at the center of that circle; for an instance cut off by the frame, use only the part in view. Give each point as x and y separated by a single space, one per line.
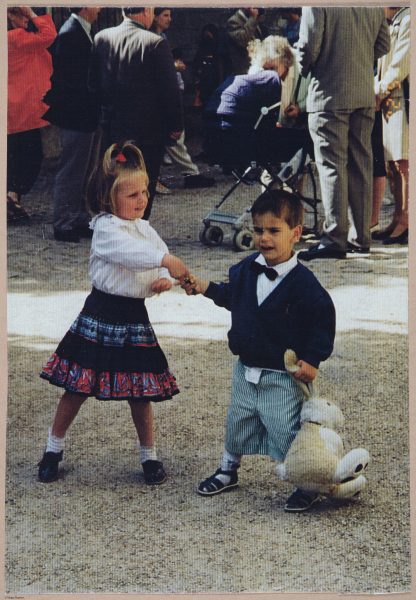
298 314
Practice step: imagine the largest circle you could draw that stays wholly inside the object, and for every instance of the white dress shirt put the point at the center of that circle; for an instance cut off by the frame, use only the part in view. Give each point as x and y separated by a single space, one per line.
265 286
126 256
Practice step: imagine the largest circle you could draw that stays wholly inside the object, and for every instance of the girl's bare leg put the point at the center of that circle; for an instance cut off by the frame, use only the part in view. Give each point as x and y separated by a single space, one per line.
142 415
67 410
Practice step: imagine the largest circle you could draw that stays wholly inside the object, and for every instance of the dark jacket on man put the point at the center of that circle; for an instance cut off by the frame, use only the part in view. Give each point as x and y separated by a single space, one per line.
72 106
133 76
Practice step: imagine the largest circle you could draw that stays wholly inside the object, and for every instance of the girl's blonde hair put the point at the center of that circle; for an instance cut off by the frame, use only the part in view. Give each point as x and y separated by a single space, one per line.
273 48
121 159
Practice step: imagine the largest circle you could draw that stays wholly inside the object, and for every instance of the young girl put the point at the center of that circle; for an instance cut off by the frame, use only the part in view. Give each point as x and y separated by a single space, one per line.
111 351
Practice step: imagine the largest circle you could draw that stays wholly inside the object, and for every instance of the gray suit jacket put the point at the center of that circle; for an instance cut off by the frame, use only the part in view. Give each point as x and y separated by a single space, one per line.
133 75
241 31
338 45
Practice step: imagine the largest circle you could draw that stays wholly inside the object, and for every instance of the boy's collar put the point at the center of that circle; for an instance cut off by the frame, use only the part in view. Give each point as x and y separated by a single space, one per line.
281 268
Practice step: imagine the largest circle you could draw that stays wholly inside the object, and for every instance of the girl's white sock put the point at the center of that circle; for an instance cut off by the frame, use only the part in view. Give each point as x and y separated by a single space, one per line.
147 452
54 444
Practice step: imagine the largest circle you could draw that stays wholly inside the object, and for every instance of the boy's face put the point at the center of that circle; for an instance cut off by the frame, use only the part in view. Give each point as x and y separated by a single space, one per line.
274 238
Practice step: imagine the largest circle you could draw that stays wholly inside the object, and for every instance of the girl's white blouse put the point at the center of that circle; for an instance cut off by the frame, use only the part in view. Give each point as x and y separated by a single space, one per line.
126 256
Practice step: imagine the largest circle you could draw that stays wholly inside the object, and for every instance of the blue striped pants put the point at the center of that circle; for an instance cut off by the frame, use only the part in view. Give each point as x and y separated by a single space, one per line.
263 418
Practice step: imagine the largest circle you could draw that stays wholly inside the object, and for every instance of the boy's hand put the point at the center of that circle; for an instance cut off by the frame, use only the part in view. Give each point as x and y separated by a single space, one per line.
161 285
175 266
306 373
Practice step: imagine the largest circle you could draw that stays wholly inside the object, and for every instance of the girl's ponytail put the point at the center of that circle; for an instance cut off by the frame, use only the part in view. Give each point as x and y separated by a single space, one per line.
120 158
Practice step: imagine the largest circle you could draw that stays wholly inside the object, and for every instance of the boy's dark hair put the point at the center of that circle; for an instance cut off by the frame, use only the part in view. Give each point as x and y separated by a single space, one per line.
283 204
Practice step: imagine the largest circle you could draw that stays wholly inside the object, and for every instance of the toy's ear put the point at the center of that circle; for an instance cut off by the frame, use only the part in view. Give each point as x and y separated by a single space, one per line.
291 359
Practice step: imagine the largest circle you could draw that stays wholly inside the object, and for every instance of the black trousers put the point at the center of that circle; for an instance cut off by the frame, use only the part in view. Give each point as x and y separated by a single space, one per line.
24 160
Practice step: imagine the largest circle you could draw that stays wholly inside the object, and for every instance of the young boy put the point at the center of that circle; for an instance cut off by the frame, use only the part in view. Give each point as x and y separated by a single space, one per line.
276 303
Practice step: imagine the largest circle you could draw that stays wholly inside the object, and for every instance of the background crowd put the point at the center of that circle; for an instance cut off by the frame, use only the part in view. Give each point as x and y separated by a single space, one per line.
349 65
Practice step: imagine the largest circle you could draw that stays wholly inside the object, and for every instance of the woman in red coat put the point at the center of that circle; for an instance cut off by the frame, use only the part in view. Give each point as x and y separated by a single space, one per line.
29 70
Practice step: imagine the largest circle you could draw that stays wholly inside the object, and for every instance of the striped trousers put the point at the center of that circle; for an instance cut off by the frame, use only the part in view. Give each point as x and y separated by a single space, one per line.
263 418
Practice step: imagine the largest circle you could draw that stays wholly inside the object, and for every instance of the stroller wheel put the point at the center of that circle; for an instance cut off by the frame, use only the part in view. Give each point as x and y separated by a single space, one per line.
211 236
243 240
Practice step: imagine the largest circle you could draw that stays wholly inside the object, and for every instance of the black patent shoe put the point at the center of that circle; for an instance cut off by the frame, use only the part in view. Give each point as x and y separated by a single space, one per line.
382 235
213 486
154 473
300 501
357 249
403 238
49 466
316 252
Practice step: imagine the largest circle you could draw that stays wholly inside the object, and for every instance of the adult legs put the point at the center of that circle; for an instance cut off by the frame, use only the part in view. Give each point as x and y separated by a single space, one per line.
69 210
379 186
152 156
360 173
179 155
400 172
329 132
24 160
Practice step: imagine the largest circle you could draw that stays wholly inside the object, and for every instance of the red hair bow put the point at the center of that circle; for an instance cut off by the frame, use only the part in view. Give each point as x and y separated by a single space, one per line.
120 157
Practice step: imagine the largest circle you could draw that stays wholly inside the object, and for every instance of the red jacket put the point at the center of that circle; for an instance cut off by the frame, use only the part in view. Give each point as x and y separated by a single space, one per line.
29 71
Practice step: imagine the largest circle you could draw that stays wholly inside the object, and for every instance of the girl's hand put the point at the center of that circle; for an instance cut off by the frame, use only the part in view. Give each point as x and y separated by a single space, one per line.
306 373
194 286
161 285
175 266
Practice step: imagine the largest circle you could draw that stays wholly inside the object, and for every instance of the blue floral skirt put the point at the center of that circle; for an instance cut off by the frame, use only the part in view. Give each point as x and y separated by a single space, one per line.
111 352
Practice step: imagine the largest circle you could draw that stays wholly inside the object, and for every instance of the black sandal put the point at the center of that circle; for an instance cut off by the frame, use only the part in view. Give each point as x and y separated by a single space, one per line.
154 473
300 501
213 486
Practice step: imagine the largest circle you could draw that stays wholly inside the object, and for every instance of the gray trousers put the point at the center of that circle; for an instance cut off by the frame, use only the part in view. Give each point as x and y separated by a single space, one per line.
343 155
69 208
179 155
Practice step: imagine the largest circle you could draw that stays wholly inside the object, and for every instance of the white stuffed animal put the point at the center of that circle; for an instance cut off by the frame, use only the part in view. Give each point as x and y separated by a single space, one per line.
315 461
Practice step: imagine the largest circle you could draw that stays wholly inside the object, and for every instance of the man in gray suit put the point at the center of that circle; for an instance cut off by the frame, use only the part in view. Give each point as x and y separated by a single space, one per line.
133 75
338 45
243 27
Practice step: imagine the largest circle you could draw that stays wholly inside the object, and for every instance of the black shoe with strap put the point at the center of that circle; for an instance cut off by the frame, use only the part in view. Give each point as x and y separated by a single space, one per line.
49 466
213 486
154 473
300 501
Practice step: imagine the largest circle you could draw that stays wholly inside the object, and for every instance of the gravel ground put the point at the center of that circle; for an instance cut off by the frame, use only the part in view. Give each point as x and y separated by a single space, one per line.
99 528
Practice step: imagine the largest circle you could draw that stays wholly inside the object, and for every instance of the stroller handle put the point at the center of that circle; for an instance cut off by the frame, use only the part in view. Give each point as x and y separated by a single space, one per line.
264 111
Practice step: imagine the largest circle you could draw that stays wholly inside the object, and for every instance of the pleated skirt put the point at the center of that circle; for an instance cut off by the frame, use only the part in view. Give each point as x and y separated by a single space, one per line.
111 352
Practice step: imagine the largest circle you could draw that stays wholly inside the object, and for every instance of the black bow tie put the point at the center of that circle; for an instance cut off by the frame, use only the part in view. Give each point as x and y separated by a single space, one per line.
268 271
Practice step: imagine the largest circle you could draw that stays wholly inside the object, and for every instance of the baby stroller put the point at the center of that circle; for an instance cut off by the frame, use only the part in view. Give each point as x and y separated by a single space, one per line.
285 154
